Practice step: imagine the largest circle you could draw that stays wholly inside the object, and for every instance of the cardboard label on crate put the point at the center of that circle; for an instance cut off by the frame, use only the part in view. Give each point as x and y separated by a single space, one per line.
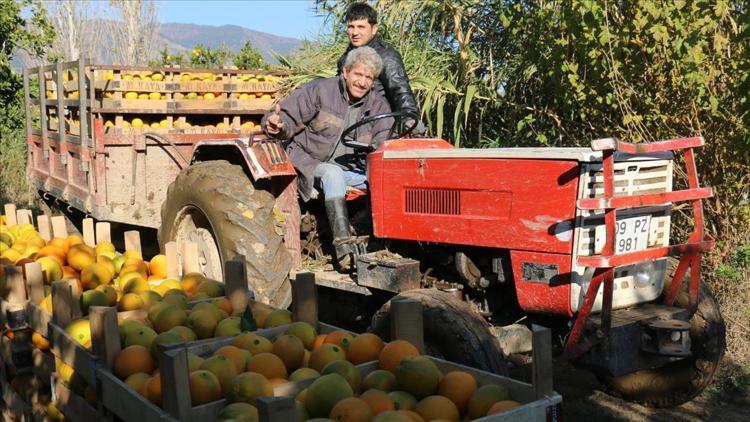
198 86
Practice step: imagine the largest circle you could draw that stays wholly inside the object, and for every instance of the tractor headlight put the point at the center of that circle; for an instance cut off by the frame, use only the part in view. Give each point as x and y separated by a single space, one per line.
644 275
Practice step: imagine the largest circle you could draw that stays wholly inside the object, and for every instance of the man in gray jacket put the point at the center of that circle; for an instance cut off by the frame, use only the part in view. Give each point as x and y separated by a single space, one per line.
313 117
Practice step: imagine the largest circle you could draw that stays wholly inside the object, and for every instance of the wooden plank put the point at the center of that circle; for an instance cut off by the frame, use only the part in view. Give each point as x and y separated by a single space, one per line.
208 411
83 98
88 232
73 406
16 288
541 370
190 262
305 298
11 218
173 260
406 322
66 305
35 281
27 102
73 353
43 226
58 227
103 232
133 241
24 216
119 399
235 283
173 366
272 409
38 319
105 334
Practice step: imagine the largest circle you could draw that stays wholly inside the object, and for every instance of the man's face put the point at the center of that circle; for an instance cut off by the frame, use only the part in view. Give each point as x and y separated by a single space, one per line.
359 80
360 32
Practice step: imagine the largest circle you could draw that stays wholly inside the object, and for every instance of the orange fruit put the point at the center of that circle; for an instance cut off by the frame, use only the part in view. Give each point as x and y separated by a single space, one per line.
347 370
39 341
418 375
253 343
393 352
235 355
248 386
304 332
168 317
81 256
184 332
303 374
238 412
268 365
138 380
379 401
397 416
260 314
133 359
403 400
191 281
380 379
54 251
70 272
158 266
339 338
109 292
212 288
324 393
204 387
277 318
153 389
230 326
130 302
224 304
437 407
364 348
483 398
290 350
202 322
223 368
60 243
324 355
73 240
318 341
351 409
51 269
502 406
94 275
458 386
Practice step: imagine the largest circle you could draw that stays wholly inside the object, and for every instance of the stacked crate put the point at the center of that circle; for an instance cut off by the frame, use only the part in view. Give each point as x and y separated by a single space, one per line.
162 100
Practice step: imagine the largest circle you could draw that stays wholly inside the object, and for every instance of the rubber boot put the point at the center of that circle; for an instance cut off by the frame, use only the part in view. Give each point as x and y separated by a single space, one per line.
338 219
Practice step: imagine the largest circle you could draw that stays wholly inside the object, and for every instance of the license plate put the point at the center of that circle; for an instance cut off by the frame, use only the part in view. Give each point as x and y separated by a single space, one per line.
631 234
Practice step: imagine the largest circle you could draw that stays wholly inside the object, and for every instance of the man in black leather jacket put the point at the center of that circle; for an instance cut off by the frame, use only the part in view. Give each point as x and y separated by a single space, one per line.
362 29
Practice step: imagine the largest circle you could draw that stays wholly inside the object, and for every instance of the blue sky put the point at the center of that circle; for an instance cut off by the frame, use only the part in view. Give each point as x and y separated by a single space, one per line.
290 18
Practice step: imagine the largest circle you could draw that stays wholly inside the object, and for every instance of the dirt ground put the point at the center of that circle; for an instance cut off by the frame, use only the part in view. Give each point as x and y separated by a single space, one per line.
584 400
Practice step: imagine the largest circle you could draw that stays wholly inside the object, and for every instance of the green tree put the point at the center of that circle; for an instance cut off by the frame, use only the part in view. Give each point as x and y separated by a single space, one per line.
202 56
249 57
168 59
23 26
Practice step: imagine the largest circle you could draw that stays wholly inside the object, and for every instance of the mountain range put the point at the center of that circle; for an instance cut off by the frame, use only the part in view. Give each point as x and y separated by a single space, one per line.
182 37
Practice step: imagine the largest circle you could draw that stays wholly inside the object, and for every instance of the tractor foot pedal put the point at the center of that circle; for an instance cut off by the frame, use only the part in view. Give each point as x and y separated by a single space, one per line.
668 337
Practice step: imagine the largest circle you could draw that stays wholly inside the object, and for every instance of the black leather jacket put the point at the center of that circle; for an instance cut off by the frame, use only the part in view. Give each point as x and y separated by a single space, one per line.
393 82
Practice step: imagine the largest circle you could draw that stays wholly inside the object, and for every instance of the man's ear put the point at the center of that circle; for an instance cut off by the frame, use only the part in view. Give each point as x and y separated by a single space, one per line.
345 72
374 29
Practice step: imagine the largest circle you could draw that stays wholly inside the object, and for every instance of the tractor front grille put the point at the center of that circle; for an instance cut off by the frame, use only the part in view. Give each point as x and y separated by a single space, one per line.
433 201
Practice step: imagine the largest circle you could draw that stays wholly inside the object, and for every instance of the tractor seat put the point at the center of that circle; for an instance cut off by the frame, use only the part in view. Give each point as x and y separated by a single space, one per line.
354 193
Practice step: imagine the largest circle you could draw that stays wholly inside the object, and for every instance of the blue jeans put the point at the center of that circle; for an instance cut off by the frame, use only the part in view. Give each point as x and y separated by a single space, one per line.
333 180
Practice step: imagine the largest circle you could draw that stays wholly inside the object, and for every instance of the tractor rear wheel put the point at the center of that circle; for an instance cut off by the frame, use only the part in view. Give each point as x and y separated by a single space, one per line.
452 330
214 204
681 381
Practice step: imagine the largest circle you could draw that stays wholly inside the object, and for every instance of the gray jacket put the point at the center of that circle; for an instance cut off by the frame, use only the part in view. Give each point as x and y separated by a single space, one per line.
313 116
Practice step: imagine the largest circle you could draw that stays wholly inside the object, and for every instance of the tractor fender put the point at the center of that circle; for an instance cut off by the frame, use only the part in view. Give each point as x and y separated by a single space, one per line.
261 158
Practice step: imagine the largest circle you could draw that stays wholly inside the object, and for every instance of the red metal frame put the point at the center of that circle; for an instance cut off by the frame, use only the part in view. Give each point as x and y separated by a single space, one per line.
605 264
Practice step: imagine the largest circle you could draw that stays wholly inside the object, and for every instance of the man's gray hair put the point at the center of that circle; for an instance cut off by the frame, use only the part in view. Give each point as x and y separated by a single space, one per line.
367 56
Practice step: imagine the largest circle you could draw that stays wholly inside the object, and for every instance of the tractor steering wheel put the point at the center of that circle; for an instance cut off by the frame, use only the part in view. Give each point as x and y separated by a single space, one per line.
397 115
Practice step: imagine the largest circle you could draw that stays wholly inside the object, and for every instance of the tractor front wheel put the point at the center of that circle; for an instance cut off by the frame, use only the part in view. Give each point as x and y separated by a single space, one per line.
681 381
452 330
214 204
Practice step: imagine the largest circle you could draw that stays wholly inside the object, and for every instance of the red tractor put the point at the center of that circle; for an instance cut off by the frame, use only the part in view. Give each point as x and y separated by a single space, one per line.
575 238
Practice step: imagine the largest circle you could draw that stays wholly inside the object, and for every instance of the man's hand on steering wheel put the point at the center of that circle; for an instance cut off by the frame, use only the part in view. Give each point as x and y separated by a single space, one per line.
410 122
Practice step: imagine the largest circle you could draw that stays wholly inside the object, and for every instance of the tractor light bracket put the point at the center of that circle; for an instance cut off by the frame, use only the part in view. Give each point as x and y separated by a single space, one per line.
670 337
